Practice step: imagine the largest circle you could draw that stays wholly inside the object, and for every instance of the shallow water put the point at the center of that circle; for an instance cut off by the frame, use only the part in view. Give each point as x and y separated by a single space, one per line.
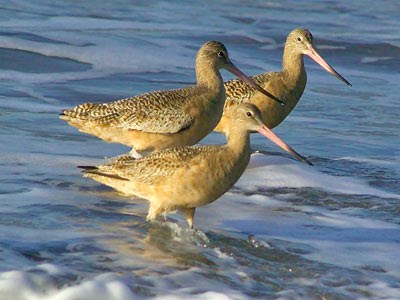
285 231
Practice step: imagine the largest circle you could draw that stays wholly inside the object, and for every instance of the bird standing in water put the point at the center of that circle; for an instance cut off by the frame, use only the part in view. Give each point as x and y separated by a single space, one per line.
164 119
185 178
287 85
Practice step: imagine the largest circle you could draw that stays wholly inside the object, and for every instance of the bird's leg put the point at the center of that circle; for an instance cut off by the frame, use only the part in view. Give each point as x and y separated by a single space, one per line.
134 153
153 212
188 213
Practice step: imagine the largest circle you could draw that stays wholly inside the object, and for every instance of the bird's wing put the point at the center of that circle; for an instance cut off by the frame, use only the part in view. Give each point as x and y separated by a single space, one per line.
237 91
159 112
158 165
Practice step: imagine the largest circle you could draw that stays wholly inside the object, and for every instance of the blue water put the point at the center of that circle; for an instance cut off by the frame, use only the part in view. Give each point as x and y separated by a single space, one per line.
285 231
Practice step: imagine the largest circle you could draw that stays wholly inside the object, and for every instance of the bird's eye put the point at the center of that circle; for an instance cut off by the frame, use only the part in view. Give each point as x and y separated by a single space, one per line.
249 114
221 54
299 39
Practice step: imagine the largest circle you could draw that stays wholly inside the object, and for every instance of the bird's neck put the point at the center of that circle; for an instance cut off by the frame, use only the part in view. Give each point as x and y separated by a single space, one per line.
237 156
293 68
238 140
209 76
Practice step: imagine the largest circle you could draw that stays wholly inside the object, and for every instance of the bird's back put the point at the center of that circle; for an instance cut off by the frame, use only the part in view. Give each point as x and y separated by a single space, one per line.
136 112
238 91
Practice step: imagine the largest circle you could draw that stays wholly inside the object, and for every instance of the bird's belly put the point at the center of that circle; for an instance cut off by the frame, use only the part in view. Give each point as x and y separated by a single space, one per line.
199 185
202 126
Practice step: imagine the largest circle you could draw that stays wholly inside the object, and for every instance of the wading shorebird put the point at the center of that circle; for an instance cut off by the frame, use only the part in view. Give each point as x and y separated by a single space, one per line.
164 119
185 178
287 85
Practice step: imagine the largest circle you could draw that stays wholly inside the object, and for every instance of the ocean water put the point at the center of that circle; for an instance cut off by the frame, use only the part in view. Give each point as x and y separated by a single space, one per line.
284 231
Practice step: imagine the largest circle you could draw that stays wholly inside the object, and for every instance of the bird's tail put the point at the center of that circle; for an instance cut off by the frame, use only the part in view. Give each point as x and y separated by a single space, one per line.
93 170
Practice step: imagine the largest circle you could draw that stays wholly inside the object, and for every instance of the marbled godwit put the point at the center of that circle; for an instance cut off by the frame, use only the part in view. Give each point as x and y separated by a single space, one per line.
164 119
287 85
185 178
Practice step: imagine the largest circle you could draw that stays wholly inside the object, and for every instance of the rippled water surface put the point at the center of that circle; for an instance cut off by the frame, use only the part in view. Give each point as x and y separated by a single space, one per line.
285 231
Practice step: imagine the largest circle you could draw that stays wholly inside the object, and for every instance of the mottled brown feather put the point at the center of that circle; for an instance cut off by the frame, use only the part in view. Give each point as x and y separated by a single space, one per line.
287 85
184 177
238 91
163 119
156 112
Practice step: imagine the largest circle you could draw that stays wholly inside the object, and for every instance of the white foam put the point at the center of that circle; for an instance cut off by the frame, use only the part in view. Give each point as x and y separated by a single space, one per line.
103 58
385 290
16 285
277 172
204 296
20 285
51 269
340 237
392 163
104 286
331 47
71 38
374 59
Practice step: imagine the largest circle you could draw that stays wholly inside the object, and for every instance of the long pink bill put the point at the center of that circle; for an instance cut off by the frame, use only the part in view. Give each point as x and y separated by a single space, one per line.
319 60
265 131
235 71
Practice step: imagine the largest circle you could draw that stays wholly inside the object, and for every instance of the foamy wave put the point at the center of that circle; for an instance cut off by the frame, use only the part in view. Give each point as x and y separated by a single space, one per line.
40 283
71 38
374 59
392 164
105 59
276 172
